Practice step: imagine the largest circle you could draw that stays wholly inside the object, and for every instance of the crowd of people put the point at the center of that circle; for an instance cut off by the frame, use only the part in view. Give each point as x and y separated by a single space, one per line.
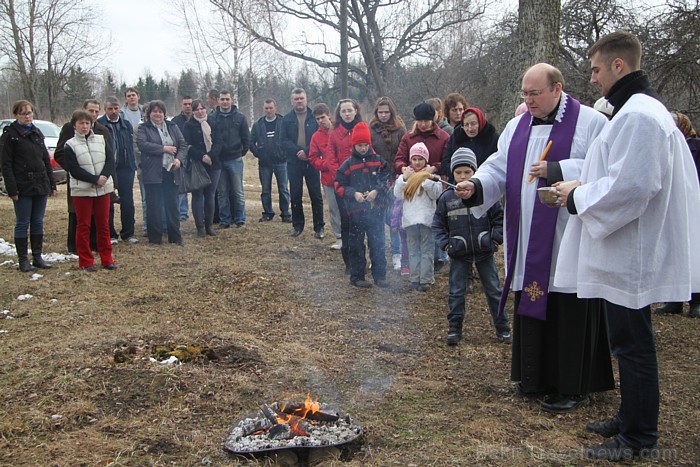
583 276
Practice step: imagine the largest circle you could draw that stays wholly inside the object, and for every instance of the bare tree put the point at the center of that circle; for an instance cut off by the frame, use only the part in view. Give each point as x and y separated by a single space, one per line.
384 33
47 39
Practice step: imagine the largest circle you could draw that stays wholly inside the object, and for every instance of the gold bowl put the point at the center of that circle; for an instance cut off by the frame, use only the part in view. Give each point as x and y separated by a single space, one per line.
548 196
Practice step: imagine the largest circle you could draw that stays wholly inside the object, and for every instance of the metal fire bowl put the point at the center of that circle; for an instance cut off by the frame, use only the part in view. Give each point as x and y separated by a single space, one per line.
229 446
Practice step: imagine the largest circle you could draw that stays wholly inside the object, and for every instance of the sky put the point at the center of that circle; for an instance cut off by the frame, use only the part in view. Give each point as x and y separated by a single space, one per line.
141 32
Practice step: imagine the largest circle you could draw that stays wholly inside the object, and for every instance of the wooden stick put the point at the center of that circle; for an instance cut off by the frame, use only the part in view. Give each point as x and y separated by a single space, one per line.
544 154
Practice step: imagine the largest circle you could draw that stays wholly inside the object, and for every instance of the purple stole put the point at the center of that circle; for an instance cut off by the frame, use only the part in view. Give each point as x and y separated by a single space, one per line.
538 262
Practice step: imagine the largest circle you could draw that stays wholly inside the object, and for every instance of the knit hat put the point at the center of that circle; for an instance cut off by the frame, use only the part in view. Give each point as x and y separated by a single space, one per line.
479 116
420 149
360 134
463 156
424 111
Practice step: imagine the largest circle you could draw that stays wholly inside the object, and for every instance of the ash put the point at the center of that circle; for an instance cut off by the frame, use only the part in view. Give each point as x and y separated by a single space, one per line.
318 434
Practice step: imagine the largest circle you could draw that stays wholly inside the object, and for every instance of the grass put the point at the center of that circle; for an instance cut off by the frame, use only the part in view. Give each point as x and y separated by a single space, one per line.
282 320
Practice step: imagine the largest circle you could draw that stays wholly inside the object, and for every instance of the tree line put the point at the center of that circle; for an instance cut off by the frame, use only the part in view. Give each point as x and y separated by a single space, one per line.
407 50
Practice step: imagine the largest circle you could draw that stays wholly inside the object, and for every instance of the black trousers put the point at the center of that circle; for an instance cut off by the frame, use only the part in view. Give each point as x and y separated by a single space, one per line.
163 194
298 171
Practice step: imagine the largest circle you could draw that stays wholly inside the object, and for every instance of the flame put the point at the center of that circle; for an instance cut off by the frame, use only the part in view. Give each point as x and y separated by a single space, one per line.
310 406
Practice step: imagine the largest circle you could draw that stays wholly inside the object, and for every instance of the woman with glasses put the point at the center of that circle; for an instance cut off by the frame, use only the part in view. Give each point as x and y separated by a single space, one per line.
163 148
347 115
197 132
28 180
475 133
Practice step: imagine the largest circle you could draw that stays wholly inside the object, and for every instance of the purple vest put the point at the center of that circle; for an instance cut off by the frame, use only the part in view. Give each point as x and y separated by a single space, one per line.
538 260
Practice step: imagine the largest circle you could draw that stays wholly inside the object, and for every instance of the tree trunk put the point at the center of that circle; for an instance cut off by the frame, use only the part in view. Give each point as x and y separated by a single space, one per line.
538 41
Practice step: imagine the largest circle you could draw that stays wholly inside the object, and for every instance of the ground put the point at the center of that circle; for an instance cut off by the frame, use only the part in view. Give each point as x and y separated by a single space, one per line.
280 320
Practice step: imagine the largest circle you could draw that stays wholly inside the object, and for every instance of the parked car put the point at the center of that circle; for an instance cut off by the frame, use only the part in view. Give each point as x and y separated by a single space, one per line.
51 131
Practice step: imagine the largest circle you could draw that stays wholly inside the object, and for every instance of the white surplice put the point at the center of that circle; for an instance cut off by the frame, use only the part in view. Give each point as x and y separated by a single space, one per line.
638 209
492 175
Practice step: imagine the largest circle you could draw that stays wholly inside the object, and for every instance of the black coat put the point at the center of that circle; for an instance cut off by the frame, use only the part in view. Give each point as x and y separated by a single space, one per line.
290 133
268 150
151 146
483 144
466 236
230 134
26 166
195 138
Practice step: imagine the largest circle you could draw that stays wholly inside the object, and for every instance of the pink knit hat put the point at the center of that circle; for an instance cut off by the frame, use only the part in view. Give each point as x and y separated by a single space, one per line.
420 149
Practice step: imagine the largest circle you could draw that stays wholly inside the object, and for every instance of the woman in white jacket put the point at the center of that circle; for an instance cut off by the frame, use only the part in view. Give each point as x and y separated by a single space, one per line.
417 219
91 166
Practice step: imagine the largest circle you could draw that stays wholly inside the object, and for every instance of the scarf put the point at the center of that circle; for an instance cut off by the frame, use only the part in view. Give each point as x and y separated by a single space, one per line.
206 131
167 140
538 259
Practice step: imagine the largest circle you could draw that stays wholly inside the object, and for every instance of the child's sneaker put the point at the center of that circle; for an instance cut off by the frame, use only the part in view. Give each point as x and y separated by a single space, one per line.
504 336
405 271
396 258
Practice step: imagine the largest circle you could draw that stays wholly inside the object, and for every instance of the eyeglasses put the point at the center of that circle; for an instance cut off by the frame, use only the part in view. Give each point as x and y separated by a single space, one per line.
24 114
535 93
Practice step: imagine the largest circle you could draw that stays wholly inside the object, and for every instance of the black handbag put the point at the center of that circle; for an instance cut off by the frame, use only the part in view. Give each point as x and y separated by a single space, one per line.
194 177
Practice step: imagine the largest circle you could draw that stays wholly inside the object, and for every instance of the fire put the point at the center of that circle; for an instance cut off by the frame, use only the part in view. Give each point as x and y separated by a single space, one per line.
298 414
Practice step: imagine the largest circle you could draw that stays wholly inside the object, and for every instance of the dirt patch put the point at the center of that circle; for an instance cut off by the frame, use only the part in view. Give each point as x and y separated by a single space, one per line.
282 320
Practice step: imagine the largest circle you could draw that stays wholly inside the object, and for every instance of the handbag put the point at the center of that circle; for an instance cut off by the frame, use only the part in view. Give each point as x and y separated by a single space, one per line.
194 177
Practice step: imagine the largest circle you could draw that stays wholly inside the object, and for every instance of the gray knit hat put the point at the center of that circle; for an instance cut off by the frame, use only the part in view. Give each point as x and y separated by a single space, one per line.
463 156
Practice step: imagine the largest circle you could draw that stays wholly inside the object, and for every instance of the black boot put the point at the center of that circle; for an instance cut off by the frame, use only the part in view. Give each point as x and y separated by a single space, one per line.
21 247
454 335
37 247
694 311
208 228
670 308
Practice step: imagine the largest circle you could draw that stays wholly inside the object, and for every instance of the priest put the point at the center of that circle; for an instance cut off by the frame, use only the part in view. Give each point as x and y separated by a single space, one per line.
559 341
632 238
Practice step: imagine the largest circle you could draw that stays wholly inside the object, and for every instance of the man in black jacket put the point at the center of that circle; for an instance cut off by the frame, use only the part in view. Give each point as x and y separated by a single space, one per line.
265 145
123 136
297 128
230 134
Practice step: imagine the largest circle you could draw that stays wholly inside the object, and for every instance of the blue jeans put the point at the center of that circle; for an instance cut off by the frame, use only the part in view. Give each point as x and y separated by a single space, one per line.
203 200
125 188
459 282
183 204
231 181
371 223
280 171
420 254
29 211
298 171
631 336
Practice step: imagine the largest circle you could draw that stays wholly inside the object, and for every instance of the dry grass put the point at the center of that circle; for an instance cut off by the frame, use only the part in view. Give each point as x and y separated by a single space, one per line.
282 319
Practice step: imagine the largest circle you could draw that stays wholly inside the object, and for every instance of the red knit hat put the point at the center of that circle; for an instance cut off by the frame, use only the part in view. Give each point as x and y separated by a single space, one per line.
360 134
479 116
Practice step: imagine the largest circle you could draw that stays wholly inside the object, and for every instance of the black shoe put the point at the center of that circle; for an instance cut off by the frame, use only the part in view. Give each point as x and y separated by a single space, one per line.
454 335
89 269
224 226
606 429
320 235
694 310
363 284
287 219
419 287
504 336
40 263
560 403
110 267
616 450
670 308
381 283
240 225
265 219
295 233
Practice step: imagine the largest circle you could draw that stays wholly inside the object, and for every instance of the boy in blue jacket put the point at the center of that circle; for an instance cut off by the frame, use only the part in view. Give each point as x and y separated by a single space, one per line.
362 181
468 240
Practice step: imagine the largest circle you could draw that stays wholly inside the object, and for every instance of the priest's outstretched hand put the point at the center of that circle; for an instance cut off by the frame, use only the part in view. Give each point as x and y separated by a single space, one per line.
465 189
